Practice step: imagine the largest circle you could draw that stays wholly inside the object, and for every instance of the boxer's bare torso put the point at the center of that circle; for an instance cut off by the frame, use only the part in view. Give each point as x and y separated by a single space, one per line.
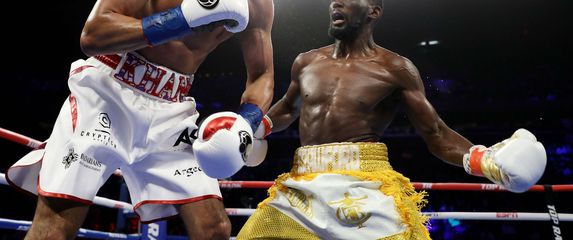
347 99
348 92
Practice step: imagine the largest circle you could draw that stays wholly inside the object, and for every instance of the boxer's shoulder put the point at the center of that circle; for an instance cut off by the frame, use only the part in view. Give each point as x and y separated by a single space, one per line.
312 55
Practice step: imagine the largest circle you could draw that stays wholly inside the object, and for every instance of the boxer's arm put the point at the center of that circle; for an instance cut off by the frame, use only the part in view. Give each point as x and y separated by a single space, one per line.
442 141
256 45
110 27
286 110
116 26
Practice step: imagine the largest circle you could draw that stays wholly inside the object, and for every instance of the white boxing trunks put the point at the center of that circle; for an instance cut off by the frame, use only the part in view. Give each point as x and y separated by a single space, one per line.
123 112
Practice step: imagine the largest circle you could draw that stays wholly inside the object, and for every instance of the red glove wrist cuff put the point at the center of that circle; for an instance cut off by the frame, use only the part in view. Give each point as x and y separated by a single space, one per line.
268 124
476 155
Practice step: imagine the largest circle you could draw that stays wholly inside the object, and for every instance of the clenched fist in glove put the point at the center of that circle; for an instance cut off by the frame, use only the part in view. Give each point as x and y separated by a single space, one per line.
226 141
516 163
257 156
180 21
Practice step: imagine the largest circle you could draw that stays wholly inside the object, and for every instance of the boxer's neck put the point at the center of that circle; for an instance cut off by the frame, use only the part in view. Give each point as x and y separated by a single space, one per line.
361 46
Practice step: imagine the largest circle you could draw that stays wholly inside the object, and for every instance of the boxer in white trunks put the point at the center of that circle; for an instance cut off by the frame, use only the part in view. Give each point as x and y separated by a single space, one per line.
129 109
341 185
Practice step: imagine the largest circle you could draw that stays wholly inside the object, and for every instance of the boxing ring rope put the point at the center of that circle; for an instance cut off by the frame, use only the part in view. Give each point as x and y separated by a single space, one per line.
128 208
512 216
25 225
19 138
418 186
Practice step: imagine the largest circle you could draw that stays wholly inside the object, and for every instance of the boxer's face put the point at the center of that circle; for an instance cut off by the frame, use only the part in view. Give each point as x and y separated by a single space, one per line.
347 17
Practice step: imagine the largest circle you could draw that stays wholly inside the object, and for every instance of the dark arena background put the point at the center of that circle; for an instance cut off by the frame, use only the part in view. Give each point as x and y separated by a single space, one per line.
489 68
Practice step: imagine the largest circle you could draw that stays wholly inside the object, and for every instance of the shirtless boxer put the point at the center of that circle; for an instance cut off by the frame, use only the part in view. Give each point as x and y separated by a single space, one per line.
341 185
129 109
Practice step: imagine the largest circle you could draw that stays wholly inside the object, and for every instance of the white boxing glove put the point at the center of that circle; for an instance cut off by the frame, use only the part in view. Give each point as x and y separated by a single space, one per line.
202 12
516 163
177 22
224 143
260 145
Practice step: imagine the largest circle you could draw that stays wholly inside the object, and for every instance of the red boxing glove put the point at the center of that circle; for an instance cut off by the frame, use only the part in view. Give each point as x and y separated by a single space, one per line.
224 143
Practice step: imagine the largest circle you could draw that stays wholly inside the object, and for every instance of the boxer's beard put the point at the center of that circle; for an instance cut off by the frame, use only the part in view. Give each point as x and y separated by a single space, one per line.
348 31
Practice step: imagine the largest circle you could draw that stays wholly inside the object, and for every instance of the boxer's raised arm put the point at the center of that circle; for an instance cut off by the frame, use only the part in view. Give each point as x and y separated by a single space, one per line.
115 26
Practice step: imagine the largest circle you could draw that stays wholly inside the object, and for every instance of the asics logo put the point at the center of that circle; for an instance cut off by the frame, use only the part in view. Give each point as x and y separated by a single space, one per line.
208 4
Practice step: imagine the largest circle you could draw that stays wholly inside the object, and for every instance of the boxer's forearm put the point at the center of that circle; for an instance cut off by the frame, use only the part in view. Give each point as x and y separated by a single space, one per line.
260 91
256 45
112 33
447 145
282 115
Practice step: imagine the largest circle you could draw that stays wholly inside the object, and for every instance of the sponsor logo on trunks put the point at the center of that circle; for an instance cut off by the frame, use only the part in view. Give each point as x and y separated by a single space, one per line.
299 200
188 172
208 4
70 158
185 137
85 160
90 163
349 211
104 120
102 134
99 136
246 143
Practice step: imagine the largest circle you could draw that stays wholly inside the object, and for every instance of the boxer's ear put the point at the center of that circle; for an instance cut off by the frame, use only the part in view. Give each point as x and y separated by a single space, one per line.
375 12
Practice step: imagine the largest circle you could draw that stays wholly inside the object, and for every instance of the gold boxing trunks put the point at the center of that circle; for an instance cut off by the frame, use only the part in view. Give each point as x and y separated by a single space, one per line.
340 191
